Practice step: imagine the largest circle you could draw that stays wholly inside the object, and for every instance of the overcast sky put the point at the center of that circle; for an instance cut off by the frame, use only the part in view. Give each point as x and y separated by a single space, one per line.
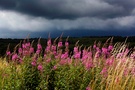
18 18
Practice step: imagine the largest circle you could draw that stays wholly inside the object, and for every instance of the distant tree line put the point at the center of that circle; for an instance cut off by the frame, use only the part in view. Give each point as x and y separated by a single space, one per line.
84 41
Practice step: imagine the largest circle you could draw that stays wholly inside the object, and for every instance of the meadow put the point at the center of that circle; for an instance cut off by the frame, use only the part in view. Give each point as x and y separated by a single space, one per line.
100 66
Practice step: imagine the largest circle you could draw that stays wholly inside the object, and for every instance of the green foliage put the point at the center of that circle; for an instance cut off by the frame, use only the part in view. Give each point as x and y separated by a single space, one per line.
31 77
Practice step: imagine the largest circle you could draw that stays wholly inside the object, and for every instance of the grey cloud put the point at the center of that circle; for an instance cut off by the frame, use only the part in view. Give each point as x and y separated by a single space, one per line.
125 3
16 21
69 9
128 5
33 24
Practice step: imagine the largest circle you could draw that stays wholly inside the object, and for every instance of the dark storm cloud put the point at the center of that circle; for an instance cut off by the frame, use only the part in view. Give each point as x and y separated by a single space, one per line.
71 8
7 4
33 16
45 8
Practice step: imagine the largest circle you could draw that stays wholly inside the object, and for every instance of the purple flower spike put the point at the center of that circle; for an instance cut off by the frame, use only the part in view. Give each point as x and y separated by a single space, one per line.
110 48
49 42
94 46
20 50
31 50
75 49
27 44
14 57
39 47
60 44
88 88
33 63
104 50
38 52
77 55
53 48
54 67
66 44
8 53
40 67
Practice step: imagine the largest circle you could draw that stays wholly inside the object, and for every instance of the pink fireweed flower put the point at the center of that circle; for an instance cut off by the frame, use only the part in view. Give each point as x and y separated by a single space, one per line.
104 50
63 62
23 46
54 52
75 49
110 48
27 44
84 52
54 67
39 47
94 46
31 50
53 48
60 44
85 57
90 54
25 52
65 55
20 50
49 43
98 49
48 48
33 63
66 44
38 51
88 88
77 55
40 67
14 57
44 55
8 53
88 65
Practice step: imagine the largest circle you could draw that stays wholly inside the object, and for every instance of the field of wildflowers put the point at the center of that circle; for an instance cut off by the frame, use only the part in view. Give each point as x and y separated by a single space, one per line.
98 67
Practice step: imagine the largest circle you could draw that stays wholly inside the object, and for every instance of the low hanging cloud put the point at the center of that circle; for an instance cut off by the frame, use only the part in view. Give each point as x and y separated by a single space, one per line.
15 21
47 15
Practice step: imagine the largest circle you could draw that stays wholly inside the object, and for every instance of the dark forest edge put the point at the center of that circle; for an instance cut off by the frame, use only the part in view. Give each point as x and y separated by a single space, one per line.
85 41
